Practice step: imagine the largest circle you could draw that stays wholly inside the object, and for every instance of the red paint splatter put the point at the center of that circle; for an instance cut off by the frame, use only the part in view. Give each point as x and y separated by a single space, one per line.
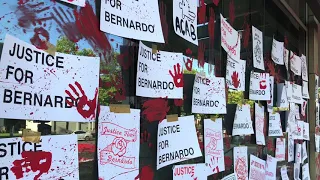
231 12
228 162
216 2
31 113
188 63
202 13
177 76
155 109
164 23
286 41
227 142
120 93
146 173
271 68
270 146
86 148
85 107
40 38
178 102
126 58
189 51
235 79
145 138
32 161
211 25
246 32
85 17
201 50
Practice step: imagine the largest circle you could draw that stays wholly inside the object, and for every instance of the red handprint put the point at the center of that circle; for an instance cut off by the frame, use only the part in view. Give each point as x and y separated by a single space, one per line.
211 25
145 138
177 76
201 50
39 42
214 165
188 63
231 12
85 107
32 161
235 79
164 24
145 174
202 12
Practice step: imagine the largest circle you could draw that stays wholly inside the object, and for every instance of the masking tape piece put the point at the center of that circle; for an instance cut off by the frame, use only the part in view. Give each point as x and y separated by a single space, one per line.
213 118
31 136
154 49
51 49
172 118
119 108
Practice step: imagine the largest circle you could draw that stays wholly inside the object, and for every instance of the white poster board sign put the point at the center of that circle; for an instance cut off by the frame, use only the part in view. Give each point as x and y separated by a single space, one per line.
284 173
317 142
317 114
209 95
286 58
242 124
270 102
297 94
240 162
316 86
257 46
159 75
277 52
290 147
257 168
304 151
232 176
132 19
190 172
305 90
282 100
55 157
295 64
213 145
170 135
306 131
296 171
185 20
275 128
289 90
259 86
45 87
81 3
118 144
298 131
271 168
281 149
259 124
304 67
230 39
235 74
298 154
303 107
305 172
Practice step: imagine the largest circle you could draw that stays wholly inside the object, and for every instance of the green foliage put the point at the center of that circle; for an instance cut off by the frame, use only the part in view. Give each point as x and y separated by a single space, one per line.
85 52
64 45
193 71
237 97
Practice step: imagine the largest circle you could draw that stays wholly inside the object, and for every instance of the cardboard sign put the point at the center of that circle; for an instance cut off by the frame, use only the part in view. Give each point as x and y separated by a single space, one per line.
284 173
289 90
235 74
275 128
240 162
209 95
160 74
306 131
185 20
259 124
259 86
81 3
304 152
230 39
232 176
213 144
298 154
270 102
119 144
257 168
295 64
55 157
304 67
305 172
257 46
296 171
242 124
132 19
271 168
296 94
38 86
290 147
170 137
305 90
281 149
282 99
286 58
277 52
190 172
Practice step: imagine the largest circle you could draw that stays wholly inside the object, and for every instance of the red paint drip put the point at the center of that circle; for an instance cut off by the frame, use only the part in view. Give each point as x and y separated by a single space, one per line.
202 12
85 18
201 50
146 173
178 102
155 109
231 12
246 32
164 23
31 162
40 38
216 2
211 25
126 58
228 162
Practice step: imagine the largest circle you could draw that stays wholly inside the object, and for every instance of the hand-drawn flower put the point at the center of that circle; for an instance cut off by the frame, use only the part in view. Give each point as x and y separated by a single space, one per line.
119 146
